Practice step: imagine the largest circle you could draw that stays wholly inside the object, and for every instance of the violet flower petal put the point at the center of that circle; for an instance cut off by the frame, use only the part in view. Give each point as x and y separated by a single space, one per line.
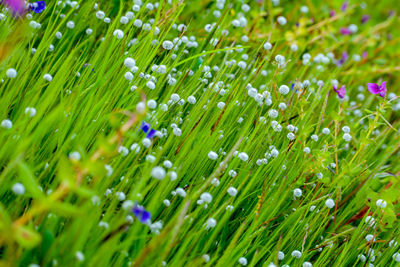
151 133
145 127
345 31
373 88
38 6
365 54
137 210
344 6
146 216
345 56
341 92
17 7
365 18
383 86
140 213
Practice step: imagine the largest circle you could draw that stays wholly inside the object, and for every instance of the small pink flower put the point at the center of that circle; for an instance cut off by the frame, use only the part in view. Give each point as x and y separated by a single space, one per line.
345 56
17 7
341 92
365 18
344 6
345 31
374 88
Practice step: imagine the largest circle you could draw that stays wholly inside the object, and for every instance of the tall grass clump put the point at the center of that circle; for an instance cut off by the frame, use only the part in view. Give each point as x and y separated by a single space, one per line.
199 133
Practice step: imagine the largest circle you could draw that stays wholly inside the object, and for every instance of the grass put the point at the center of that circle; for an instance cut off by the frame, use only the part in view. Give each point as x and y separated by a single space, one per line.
71 174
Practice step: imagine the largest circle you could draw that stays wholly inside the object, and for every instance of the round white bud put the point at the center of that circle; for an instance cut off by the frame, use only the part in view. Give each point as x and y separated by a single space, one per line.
380 203
158 173
243 156
297 192
232 191
284 89
243 261
330 203
206 197
212 155
11 73
129 62
7 124
18 189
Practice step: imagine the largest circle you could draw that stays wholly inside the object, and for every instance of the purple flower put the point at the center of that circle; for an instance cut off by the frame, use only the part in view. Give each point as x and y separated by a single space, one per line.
374 88
38 6
151 133
365 18
145 127
343 8
332 13
341 92
345 56
364 54
140 213
17 7
345 31
87 65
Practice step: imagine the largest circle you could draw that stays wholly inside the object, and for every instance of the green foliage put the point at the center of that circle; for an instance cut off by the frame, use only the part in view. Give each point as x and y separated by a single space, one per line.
83 162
